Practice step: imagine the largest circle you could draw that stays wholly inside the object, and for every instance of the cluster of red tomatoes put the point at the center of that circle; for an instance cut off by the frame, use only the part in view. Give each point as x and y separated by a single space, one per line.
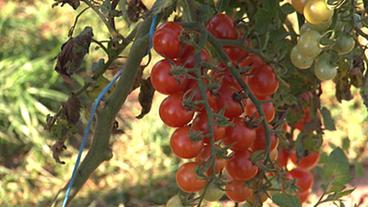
308 50
234 143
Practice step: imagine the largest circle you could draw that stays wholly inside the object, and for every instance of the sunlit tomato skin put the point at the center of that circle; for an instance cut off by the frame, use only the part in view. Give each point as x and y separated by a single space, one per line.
283 158
187 59
173 113
237 191
182 145
317 11
166 40
187 178
267 107
226 100
307 162
303 179
298 5
299 60
200 123
205 155
324 70
308 44
240 167
222 26
303 196
163 81
263 81
260 141
239 136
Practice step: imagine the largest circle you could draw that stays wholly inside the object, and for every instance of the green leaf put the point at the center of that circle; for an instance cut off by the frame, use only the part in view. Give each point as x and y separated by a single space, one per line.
336 170
286 200
162 5
287 9
328 121
359 169
346 144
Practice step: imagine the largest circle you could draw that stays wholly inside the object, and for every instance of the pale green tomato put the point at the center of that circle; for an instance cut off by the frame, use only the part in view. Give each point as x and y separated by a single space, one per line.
319 27
308 44
344 44
317 12
324 70
213 193
174 201
300 61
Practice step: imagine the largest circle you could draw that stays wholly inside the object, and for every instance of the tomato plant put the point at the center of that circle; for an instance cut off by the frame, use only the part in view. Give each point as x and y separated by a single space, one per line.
187 178
182 145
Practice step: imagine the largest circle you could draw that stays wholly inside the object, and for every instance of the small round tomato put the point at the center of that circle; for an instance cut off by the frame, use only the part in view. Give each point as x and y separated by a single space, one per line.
213 193
163 81
235 53
239 136
344 44
226 100
200 123
317 27
166 40
240 167
260 141
182 145
308 44
174 201
173 113
263 81
267 107
307 162
237 191
252 61
304 179
298 5
222 26
324 70
303 196
283 158
187 59
205 155
300 61
187 178
317 11
306 118
194 92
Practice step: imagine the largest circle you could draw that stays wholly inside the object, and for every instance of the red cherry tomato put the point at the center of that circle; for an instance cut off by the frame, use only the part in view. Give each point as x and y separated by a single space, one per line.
260 141
187 178
182 145
263 81
222 26
166 40
237 191
304 179
163 81
239 136
307 117
205 155
303 196
173 113
235 53
240 167
200 123
307 162
187 59
226 100
268 109
283 158
194 92
252 61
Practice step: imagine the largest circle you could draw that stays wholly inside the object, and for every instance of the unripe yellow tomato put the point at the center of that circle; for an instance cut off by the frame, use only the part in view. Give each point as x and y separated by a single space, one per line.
299 5
317 12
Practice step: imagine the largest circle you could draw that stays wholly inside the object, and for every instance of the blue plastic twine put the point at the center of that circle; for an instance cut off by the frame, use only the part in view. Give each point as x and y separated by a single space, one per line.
86 134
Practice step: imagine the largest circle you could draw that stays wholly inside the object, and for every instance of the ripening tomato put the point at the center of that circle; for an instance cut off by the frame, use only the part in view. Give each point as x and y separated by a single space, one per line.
252 60
298 5
308 44
240 167
344 44
237 191
317 11
222 26
205 155
300 61
213 193
283 158
173 113
303 196
182 145
163 81
317 27
263 81
200 123
239 136
235 53
227 100
166 40
267 107
307 162
187 178
187 59
306 118
304 179
260 141
323 69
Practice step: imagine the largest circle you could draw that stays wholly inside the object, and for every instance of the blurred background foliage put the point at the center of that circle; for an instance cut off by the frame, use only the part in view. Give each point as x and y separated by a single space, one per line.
141 172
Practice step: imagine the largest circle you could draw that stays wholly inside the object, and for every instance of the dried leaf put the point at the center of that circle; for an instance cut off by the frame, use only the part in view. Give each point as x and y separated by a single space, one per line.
145 97
73 51
72 109
73 3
